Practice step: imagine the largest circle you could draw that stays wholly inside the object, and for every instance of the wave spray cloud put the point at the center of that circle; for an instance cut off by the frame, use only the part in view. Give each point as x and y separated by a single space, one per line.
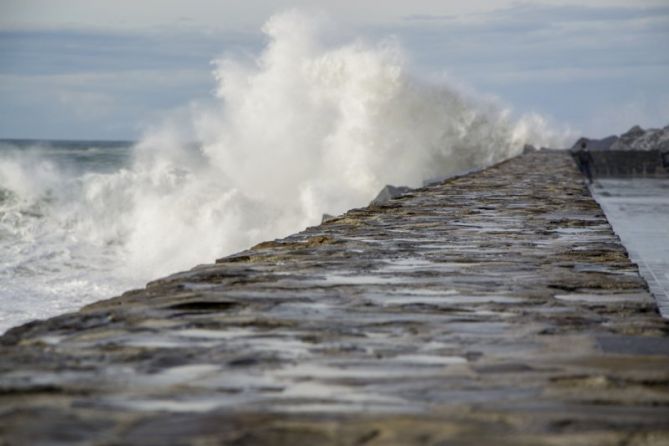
304 128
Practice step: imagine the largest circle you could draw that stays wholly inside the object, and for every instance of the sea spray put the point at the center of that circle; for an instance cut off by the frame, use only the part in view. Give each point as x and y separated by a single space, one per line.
304 129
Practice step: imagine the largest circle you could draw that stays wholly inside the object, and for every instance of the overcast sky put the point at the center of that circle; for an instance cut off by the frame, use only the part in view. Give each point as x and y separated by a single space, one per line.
108 68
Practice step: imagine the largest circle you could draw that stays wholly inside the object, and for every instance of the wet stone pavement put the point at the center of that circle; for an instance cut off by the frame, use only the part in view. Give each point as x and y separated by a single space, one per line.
494 308
638 210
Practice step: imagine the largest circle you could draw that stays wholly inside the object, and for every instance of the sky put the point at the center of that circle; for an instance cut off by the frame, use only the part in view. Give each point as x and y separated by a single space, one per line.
108 69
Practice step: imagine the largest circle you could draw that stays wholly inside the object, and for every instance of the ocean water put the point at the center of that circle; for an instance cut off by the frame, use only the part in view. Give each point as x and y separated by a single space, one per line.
49 261
310 125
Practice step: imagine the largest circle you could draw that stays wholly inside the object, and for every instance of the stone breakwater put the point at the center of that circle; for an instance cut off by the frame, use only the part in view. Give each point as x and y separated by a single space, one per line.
494 308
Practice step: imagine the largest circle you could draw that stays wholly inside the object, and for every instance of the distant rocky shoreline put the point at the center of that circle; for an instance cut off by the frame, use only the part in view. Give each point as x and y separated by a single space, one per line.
636 153
635 138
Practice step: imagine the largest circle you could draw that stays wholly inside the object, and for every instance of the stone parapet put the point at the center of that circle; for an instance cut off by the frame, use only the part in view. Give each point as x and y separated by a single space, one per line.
630 163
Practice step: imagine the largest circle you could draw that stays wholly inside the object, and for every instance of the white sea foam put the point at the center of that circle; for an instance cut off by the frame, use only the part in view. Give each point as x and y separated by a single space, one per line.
302 130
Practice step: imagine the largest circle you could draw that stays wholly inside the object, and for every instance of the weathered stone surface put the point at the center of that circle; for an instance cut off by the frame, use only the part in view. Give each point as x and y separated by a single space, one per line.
495 308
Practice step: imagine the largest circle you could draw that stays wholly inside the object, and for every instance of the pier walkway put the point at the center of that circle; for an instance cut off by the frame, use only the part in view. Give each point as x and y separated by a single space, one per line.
494 308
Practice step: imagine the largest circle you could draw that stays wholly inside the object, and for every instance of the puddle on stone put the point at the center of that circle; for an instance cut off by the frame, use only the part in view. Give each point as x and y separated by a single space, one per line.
228 333
480 328
199 286
152 405
420 264
422 292
595 268
51 340
358 372
579 230
430 360
404 263
196 337
240 381
35 379
282 346
336 393
178 375
447 298
361 279
362 371
602 298
163 341
344 408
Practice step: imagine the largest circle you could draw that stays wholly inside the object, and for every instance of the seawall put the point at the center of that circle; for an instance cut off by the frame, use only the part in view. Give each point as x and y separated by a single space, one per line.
630 163
494 308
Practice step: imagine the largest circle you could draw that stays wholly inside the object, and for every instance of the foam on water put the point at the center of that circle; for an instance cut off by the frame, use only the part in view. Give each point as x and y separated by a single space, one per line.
303 129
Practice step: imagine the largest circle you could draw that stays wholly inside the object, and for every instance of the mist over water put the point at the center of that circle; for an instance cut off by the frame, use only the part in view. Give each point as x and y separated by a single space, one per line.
303 129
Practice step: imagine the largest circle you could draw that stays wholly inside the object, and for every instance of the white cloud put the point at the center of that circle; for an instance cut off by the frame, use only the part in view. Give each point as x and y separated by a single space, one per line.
122 79
249 14
561 74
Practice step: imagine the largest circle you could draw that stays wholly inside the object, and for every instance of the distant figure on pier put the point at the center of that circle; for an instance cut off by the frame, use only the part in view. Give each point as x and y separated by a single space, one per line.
585 161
